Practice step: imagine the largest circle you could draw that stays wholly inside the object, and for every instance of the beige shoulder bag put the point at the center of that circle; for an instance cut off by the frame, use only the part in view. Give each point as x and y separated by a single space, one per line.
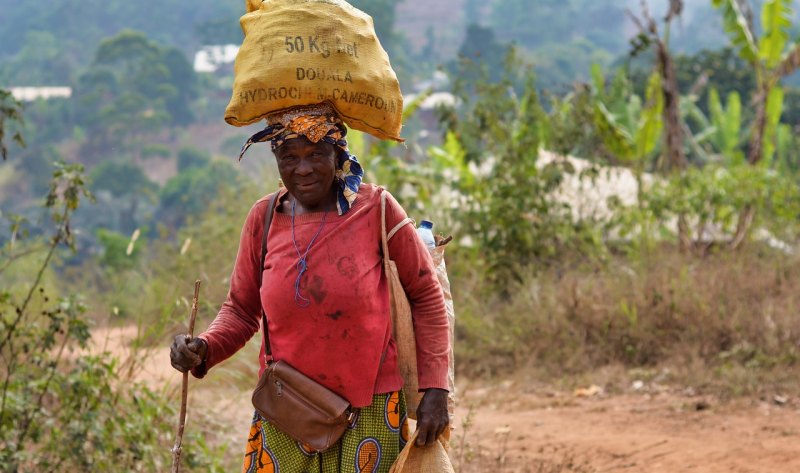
402 325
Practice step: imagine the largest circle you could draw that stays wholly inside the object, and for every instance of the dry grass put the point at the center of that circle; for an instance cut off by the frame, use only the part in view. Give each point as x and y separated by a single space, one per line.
727 322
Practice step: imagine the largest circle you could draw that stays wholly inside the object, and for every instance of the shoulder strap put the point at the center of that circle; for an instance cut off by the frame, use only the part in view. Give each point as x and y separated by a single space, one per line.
267 222
384 236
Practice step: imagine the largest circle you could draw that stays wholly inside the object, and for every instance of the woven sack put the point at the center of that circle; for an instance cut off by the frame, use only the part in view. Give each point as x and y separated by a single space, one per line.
304 52
402 323
428 459
441 273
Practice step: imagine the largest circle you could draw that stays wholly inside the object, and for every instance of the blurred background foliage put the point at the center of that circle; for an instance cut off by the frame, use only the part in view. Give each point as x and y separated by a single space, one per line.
536 137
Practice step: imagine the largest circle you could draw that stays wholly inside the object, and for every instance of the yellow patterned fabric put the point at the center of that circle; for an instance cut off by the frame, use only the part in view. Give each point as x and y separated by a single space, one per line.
313 128
370 445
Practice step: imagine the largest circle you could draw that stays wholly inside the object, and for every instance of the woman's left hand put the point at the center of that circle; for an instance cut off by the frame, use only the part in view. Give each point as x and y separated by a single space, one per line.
432 416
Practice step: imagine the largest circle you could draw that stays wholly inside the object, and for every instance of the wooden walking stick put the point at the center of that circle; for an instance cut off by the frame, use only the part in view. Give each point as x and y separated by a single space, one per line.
176 450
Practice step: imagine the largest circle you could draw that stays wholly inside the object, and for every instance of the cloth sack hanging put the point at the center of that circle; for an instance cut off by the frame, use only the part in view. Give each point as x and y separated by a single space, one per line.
441 273
304 52
402 323
428 459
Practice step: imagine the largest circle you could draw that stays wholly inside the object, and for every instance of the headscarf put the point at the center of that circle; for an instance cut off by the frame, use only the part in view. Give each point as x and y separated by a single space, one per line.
317 123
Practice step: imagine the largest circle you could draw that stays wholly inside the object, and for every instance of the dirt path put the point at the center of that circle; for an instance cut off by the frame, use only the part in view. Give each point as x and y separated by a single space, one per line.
512 428
628 433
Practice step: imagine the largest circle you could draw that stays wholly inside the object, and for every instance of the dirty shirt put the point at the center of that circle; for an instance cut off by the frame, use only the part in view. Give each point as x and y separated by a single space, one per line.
343 339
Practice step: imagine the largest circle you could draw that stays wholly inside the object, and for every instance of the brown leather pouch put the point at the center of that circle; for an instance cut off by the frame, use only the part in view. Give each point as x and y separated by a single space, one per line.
300 407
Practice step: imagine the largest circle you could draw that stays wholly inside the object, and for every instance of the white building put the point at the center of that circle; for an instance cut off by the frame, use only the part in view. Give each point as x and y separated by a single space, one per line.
30 94
211 58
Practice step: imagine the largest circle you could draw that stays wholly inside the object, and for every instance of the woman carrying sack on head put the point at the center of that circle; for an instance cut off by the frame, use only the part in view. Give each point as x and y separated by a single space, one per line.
314 282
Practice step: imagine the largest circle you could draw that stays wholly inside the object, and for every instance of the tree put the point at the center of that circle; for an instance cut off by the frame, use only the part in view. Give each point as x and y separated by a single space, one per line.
135 86
504 192
190 157
481 54
472 9
771 58
192 191
674 154
383 14
558 21
127 184
220 31
40 62
80 25
725 70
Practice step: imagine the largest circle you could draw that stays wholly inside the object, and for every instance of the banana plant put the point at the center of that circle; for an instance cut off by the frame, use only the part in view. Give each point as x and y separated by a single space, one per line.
628 128
772 57
727 126
632 134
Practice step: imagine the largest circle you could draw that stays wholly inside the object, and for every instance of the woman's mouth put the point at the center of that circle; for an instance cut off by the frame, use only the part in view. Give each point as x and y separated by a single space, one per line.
306 186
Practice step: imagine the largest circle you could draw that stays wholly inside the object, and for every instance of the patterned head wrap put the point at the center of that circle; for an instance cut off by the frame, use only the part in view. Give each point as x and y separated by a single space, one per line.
317 123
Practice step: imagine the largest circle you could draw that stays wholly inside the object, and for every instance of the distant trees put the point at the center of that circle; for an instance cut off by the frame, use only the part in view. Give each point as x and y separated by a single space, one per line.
41 61
562 38
480 48
383 13
193 191
127 186
134 86
80 25
559 21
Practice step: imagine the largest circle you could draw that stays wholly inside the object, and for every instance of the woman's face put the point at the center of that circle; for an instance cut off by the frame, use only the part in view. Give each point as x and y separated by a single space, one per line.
308 171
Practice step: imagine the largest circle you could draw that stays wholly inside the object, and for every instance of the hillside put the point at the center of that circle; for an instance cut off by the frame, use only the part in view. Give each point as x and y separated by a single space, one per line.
446 17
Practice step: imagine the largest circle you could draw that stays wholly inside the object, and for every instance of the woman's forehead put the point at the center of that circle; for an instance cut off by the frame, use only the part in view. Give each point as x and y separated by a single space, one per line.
301 143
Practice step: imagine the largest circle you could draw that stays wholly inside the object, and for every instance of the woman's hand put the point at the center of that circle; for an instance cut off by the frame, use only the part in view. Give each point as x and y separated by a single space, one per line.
432 416
187 353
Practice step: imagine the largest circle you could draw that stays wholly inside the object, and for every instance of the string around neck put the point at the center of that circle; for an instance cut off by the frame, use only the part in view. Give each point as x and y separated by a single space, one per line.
302 263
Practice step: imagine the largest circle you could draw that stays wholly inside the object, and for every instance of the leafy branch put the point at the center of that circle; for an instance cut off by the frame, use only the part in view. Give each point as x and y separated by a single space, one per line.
10 110
66 190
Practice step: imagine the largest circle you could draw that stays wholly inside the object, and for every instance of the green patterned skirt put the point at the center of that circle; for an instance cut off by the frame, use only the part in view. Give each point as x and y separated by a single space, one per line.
369 445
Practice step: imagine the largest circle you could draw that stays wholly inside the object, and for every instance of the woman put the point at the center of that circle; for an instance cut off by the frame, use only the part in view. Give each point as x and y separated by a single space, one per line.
326 299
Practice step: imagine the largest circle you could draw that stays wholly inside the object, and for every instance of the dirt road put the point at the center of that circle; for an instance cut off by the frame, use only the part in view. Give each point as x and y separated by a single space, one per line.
517 428
653 433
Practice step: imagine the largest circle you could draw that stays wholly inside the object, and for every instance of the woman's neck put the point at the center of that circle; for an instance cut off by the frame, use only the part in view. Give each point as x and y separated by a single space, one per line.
288 199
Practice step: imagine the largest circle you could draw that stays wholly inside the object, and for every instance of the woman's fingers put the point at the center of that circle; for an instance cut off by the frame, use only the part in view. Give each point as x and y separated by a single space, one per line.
429 431
422 436
181 355
432 415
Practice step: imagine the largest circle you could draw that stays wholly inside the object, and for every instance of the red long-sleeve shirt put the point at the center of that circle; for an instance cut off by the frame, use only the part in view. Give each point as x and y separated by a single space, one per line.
343 338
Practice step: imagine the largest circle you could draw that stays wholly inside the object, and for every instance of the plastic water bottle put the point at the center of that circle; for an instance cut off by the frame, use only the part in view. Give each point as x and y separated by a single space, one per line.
425 231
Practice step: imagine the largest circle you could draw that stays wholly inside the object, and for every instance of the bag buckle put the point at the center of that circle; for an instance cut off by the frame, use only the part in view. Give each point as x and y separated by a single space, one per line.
280 387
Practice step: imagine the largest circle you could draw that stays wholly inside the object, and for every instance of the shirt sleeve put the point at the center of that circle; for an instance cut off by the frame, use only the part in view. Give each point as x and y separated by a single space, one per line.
418 276
240 315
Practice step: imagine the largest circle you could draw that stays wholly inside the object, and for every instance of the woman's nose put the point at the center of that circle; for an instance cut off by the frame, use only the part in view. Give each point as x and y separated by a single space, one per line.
304 167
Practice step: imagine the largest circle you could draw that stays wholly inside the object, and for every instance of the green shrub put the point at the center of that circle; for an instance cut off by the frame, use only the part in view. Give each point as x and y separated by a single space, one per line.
155 150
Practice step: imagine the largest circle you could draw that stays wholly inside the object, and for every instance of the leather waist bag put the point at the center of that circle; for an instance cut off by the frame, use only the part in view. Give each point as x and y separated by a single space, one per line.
300 407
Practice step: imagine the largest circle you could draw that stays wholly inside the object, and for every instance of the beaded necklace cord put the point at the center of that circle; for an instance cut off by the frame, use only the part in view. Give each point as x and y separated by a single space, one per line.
302 263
